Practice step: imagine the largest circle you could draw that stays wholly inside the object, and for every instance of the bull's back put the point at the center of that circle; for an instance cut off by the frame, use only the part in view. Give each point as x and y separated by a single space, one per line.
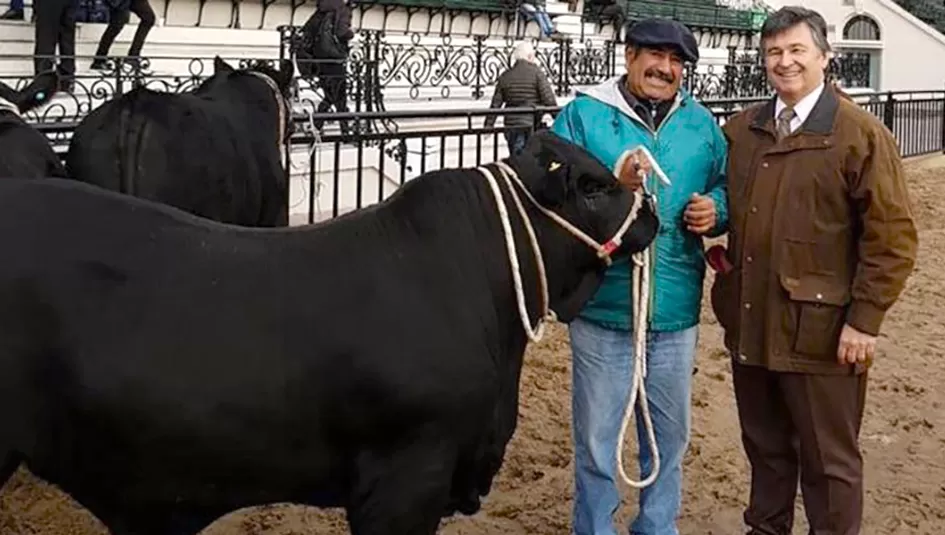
26 153
175 149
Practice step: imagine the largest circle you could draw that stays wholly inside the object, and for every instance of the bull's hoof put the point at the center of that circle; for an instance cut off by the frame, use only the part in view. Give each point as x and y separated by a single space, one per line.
467 503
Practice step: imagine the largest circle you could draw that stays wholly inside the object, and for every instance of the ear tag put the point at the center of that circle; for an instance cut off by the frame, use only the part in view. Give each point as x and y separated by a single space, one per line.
40 96
554 166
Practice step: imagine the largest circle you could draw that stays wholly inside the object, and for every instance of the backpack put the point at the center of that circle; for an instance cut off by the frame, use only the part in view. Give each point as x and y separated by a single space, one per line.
324 41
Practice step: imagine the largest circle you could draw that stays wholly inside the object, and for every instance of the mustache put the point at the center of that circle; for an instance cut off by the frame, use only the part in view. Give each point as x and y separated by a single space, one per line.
664 76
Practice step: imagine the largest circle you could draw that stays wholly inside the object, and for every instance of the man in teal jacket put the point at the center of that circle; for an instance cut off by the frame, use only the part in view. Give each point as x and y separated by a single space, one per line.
645 107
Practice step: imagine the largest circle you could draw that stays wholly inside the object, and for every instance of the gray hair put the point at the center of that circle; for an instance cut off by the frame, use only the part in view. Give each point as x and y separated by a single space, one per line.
525 51
790 16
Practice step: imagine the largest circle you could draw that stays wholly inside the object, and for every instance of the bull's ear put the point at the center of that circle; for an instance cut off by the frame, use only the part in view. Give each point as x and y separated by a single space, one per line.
554 187
220 66
38 92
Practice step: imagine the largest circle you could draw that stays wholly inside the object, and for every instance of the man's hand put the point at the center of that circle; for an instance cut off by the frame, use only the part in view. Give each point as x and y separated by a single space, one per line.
635 170
855 346
700 214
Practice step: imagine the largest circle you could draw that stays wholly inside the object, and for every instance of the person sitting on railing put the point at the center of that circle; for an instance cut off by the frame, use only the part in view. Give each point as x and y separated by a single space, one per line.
523 85
15 12
118 16
323 52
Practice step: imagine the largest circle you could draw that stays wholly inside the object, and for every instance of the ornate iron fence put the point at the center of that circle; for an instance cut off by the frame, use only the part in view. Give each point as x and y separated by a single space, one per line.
417 66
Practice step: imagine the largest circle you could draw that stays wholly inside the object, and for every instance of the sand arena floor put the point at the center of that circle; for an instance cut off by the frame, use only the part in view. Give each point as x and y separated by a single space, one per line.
903 434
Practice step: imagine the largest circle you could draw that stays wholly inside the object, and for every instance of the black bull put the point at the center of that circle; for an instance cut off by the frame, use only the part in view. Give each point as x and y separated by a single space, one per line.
24 151
165 370
214 152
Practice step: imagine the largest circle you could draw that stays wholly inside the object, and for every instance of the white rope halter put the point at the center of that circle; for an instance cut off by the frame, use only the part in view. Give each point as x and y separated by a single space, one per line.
280 103
639 289
603 251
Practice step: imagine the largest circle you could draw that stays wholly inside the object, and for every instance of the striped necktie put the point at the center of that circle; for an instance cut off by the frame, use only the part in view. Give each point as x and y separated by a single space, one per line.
784 122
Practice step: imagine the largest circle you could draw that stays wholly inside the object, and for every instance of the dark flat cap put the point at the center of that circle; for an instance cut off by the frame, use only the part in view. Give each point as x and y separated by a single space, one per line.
658 33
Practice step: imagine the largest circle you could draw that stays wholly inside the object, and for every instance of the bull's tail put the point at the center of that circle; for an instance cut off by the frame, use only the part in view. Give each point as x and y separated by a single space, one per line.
105 147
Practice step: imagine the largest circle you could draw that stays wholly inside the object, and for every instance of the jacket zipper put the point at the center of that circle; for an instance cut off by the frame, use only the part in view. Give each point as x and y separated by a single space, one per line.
651 306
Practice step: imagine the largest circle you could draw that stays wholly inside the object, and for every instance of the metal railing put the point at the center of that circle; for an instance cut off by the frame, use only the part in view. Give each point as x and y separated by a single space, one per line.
336 174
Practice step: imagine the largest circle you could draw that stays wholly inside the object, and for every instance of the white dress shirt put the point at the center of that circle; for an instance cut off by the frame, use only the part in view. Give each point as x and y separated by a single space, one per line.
802 109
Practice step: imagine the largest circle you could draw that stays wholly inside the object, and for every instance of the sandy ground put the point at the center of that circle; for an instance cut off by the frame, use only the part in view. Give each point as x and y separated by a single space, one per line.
903 435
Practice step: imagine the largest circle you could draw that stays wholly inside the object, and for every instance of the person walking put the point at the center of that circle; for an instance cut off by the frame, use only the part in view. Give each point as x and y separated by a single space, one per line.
119 15
646 107
522 85
820 245
324 53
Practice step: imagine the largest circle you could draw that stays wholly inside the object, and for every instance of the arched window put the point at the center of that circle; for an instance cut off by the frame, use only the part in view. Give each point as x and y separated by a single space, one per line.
861 28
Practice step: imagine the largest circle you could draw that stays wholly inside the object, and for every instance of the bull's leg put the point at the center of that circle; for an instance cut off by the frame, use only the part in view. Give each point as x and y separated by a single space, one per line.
403 492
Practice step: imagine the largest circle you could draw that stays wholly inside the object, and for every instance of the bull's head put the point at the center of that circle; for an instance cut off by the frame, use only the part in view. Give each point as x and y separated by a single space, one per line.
38 92
571 182
282 76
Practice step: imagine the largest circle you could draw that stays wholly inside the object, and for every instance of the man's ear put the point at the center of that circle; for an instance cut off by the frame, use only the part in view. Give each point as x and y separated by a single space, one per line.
38 92
220 66
554 186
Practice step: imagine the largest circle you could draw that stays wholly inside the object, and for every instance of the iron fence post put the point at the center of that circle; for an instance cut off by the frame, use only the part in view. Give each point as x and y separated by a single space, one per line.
942 139
889 111
478 85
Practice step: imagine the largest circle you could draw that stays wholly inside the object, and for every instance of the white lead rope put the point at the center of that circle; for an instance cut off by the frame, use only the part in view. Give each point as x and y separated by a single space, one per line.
640 296
639 287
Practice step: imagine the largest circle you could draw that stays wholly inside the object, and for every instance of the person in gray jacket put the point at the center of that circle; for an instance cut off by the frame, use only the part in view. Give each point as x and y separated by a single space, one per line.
523 85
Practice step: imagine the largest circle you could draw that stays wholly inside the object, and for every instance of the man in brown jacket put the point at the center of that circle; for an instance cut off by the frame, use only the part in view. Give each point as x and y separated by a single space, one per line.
821 242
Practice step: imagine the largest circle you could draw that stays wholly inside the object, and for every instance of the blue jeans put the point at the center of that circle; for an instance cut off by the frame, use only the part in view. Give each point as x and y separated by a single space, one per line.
602 368
540 16
516 139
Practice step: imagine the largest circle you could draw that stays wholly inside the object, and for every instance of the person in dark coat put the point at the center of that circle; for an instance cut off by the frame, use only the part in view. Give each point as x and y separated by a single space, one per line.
821 244
324 53
55 26
523 85
121 11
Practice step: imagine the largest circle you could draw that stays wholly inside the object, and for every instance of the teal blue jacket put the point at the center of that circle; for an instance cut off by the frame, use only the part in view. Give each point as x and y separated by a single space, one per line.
692 151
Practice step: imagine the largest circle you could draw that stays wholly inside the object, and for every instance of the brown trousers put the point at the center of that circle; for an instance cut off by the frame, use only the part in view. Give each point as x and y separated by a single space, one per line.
808 425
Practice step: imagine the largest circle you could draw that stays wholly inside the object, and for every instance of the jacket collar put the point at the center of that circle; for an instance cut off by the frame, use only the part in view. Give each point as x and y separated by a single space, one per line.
820 121
609 93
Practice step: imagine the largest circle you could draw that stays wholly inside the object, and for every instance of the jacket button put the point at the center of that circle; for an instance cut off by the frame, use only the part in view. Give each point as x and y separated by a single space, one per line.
742 358
820 296
764 164
754 209
749 259
747 306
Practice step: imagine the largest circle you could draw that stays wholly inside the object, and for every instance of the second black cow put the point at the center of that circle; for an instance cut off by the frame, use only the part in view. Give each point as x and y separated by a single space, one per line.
215 152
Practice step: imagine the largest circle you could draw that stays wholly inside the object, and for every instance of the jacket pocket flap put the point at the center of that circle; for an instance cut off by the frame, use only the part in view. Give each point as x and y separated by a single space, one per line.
816 289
